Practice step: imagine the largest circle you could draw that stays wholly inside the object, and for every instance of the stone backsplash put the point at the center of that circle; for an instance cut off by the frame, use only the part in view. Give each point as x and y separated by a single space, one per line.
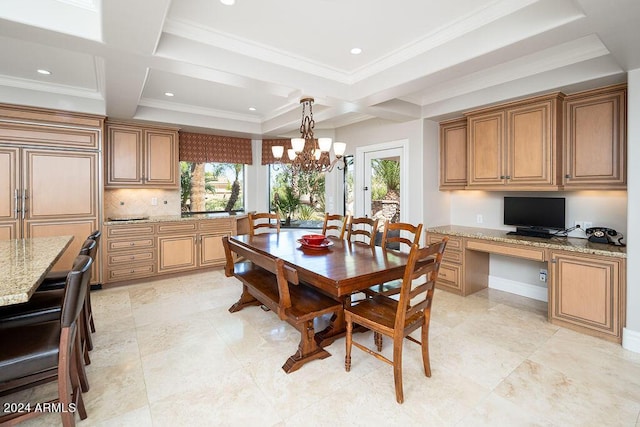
138 202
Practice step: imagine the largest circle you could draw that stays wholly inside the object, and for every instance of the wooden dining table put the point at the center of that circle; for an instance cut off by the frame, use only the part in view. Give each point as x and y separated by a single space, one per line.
338 271
25 262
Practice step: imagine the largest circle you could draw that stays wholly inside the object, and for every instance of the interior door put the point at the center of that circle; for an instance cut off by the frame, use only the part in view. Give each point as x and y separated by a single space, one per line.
382 183
10 194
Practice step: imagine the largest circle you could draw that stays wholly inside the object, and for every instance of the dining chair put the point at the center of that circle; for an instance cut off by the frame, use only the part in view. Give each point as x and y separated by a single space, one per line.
46 306
362 226
335 225
394 239
56 280
48 351
264 220
399 318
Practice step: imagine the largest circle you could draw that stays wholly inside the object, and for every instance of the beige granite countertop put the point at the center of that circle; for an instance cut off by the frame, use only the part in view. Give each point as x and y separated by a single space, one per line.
25 262
169 218
564 243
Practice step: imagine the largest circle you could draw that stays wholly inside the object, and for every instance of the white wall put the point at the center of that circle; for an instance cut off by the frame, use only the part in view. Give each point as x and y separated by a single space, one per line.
631 336
376 131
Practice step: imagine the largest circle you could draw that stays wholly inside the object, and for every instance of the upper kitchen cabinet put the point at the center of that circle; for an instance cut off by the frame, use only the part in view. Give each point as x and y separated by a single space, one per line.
453 154
141 156
595 139
516 146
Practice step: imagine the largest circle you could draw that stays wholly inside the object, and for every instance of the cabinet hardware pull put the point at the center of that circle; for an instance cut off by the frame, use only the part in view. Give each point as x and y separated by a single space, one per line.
132 257
132 244
508 176
502 177
553 261
24 202
567 176
16 202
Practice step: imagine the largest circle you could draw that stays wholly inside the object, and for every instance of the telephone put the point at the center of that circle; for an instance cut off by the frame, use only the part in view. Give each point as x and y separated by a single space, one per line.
604 235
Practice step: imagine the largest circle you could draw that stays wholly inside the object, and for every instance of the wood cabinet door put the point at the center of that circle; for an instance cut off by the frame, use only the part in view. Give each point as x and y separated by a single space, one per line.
531 144
486 149
79 229
176 253
595 140
211 249
123 156
10 193
161 159
586 292
60 184
453 155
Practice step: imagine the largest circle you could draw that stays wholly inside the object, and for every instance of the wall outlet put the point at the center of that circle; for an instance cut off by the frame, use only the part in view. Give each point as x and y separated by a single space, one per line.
579 224
154 201
479 219
543 275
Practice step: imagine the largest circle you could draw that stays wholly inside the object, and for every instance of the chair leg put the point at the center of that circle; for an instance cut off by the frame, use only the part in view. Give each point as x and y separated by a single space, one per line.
377 339
76 381
397 368
425 350
82 373
87 303
347 357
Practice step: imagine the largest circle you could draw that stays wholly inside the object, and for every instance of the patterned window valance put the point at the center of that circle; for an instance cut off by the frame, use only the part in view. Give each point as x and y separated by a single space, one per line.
267 154
203 148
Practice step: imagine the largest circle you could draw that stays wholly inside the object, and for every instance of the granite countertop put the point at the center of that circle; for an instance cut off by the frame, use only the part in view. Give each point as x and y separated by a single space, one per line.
169 218
564 243
24 263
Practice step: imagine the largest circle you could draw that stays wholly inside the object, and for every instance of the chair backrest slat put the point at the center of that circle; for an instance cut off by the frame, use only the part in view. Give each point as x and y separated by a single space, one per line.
262 220
392 234
423 263
363 226
335 225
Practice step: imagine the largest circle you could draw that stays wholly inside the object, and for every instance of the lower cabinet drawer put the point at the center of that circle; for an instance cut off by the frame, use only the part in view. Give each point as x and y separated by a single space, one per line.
134 257
130 244
450 275
132 272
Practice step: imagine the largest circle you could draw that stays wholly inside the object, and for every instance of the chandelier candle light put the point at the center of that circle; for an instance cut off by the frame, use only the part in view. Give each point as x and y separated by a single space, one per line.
308 154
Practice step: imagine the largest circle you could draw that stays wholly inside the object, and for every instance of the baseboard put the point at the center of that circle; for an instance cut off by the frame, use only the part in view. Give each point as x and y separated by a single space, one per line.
519 288
631 340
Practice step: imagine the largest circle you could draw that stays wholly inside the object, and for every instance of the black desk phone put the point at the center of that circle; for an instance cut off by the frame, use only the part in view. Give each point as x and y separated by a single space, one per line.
604 235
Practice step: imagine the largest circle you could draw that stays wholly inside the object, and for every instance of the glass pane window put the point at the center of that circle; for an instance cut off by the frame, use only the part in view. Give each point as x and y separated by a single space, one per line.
298 198
211 187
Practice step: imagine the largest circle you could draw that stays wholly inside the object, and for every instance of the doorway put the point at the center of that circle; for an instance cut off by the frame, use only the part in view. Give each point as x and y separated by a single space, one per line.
381 176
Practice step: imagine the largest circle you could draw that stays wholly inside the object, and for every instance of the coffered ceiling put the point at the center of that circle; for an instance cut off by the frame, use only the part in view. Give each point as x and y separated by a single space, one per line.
241 69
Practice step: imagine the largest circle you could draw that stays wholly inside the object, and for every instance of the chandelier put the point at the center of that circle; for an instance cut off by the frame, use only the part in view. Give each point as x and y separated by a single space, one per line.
307 153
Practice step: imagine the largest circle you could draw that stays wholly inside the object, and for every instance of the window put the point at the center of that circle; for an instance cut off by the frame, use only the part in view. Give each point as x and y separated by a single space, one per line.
211 187
299 199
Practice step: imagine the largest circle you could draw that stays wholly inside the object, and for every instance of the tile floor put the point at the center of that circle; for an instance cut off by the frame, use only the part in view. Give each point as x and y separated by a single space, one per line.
168 353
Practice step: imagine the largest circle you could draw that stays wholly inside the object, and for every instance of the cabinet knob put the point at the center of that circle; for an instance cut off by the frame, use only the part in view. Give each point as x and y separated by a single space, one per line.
132 244
502 177
567 176
508 176
554 261
132 257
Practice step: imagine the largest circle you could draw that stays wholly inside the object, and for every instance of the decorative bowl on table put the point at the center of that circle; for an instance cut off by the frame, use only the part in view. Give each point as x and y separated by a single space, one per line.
314 239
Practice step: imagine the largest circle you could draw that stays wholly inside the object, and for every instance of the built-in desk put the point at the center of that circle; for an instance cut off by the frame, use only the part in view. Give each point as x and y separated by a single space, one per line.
586 287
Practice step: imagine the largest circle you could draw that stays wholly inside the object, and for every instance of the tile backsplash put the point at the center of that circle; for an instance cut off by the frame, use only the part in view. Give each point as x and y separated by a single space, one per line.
138 202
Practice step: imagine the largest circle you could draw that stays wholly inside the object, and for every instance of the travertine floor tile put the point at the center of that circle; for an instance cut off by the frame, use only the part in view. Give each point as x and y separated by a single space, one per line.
168 353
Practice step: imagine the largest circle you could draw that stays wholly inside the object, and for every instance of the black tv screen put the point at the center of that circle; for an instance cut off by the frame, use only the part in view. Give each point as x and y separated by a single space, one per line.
541 212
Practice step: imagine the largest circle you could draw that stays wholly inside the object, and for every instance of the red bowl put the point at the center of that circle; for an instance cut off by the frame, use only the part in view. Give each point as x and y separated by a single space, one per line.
313 239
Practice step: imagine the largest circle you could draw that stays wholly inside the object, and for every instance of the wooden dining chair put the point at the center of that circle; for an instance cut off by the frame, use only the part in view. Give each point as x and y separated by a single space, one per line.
34 354
394 239
264 222
335 225
399 318
363 226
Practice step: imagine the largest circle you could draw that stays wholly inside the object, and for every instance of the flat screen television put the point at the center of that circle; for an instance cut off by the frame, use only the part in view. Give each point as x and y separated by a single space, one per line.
534 216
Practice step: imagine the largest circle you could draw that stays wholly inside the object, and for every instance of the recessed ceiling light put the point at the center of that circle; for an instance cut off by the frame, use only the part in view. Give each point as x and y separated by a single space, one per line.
356 51
228 2
252 108
168 94
43 71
